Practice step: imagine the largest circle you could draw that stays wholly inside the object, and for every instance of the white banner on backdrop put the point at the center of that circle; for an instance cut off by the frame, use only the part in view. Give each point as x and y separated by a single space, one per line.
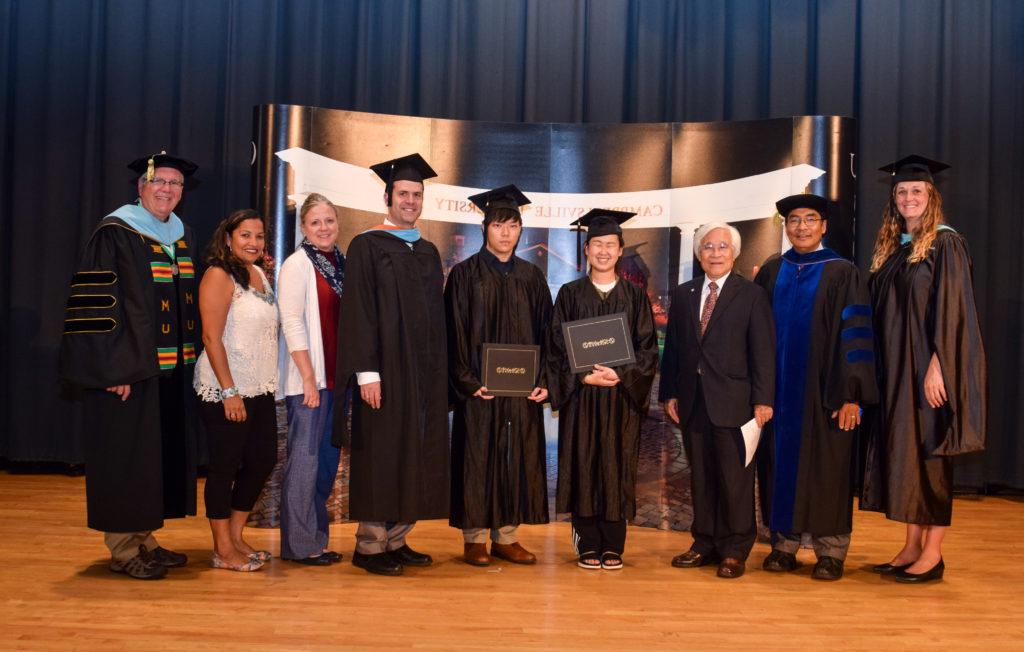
737 200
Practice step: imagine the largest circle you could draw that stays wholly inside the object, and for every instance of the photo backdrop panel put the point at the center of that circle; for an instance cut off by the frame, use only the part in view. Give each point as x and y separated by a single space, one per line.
676 176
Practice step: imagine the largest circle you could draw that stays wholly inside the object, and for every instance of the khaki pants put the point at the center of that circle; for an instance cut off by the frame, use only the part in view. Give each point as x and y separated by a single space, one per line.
503 535
373 537
125 545
834 545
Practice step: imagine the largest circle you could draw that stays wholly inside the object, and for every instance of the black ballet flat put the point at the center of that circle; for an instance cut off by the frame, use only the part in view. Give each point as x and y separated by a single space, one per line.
889 569
934 574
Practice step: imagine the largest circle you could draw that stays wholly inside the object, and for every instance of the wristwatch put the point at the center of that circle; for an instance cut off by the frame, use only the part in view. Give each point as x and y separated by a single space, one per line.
228 393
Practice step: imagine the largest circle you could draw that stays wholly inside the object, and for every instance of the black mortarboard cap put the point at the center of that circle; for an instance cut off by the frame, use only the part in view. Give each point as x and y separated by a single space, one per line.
814 202
147 164
602 221
405 168
504 197
914 168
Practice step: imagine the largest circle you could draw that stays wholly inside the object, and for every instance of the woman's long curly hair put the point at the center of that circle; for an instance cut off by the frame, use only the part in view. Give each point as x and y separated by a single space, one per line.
218 253
893 225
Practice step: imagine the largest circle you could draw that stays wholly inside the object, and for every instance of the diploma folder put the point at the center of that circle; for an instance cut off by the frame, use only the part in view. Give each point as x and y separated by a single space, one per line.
603 340
510 369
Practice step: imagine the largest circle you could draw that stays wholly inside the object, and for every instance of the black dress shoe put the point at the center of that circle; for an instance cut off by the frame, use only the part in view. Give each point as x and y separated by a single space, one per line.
731 568
168 558
692 559
935 573
319 560
780 562
406 556
828 568
333 557
889 569
381 564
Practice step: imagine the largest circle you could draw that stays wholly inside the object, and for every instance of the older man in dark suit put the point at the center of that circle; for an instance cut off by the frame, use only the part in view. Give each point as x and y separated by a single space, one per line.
718 373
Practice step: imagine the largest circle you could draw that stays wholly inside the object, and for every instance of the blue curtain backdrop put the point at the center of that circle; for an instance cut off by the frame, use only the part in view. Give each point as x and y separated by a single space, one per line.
86 86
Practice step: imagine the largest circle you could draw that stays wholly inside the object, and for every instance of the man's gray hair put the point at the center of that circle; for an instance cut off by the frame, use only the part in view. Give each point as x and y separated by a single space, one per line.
705 229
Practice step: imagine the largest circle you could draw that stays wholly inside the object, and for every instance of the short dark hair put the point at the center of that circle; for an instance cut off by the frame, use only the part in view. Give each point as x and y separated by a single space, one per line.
501 214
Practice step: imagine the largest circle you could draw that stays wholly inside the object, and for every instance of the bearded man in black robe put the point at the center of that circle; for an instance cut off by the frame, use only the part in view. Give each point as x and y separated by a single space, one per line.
391 339
499 478
824 374
129 350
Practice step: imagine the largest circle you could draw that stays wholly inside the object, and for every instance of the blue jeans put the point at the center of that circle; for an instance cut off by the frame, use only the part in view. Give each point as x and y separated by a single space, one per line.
308 477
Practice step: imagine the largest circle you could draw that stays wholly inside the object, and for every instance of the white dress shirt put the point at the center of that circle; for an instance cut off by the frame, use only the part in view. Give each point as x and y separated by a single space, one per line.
706 291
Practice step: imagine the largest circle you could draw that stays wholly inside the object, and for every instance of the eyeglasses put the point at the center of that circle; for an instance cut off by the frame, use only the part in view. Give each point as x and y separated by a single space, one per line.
711 246
160 183
809 220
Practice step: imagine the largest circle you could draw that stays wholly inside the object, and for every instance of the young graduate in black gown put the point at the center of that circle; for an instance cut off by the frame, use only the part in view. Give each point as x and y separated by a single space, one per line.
499 477
600 412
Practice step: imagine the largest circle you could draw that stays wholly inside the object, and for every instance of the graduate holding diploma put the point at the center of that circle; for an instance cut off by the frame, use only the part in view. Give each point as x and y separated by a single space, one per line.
601 411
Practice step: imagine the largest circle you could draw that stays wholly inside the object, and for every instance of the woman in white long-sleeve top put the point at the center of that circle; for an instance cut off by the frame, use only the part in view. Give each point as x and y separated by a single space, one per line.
309 290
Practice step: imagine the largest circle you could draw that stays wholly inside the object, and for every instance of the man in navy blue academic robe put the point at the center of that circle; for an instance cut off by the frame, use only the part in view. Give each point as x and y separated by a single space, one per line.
824 373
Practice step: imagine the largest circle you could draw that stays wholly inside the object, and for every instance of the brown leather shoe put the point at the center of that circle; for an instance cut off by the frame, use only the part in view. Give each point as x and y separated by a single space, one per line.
731 568
475 554
693 559
513 552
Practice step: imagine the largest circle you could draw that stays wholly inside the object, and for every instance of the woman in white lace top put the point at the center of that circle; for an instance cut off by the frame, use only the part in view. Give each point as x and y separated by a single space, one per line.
236 378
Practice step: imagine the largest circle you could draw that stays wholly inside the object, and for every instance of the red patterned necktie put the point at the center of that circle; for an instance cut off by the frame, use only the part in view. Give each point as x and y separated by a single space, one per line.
709 307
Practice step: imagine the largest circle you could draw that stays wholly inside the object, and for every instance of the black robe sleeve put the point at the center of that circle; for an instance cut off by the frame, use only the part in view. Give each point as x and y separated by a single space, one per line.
358 342
637 378
562 383
542 322
956 340
850 375
457 302
107 338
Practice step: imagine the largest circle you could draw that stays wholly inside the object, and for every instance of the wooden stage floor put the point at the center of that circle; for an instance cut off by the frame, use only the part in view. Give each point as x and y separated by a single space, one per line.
56 592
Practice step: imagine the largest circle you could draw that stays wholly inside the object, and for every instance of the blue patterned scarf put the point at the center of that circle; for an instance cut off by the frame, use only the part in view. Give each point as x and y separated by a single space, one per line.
335 276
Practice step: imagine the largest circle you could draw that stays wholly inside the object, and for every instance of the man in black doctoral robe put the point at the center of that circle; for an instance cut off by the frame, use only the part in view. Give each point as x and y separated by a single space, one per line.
600 412
129 349
391 337
824 374
499 477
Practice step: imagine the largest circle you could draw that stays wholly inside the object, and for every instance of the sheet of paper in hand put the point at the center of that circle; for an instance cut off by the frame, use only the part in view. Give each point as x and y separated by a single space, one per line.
601 340
510 369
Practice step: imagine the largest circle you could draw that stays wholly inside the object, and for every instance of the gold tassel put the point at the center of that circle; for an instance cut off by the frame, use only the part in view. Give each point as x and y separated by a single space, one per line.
150 166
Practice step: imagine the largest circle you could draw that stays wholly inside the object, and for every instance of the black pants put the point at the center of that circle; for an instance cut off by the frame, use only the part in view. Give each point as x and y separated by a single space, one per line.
594 534
242 454
722 487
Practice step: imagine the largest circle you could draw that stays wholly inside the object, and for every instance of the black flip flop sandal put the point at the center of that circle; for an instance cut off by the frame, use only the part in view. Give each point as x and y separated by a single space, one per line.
611 561
589 561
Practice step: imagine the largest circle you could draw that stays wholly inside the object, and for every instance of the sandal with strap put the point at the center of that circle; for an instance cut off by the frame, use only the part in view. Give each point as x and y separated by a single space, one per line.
247 567
589 561
611 561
